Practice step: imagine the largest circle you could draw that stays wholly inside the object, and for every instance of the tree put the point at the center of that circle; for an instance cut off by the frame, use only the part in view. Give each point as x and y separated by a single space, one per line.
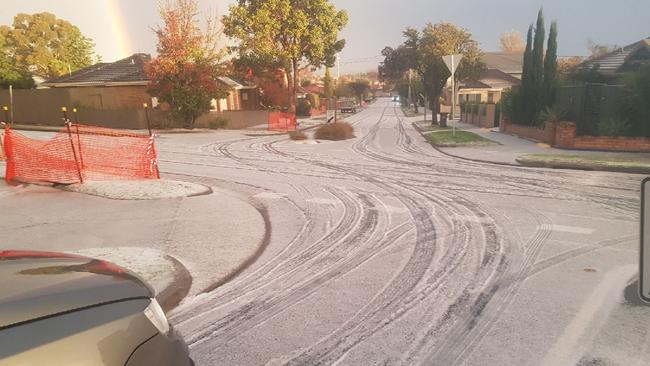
290 34
537 70
45 46
360 88
550 68
439 40
423 51
328 85
185 73
10 74
598 50
512 42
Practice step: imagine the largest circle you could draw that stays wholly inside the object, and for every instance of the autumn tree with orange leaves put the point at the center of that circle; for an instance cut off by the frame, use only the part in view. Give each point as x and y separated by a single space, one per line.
184 75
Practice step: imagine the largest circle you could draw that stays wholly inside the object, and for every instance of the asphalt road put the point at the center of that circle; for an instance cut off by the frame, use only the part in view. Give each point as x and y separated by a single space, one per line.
384 251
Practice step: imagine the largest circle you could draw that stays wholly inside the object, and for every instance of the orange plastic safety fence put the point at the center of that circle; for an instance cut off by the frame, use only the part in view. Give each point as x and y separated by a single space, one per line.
78 153
279 121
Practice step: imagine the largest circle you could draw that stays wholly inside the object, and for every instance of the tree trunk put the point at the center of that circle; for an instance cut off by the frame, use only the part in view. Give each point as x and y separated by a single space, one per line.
294 86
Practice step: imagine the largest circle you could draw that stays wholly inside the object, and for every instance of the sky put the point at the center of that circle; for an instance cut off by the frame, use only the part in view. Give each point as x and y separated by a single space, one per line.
122 27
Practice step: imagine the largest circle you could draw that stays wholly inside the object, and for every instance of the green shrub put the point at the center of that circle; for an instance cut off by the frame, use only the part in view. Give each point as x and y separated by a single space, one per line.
551 114
463 106
614 127
217 123
636 103
335 131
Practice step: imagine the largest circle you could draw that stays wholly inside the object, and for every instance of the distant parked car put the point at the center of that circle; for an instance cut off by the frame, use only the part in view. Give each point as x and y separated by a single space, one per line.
59 309
348 106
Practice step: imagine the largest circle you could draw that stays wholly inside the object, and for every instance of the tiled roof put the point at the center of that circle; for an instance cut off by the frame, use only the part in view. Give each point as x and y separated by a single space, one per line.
612 62
510 63
126 71
492 79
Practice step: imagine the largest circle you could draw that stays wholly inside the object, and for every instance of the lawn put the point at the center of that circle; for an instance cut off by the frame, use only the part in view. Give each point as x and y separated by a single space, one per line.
448 138
591 162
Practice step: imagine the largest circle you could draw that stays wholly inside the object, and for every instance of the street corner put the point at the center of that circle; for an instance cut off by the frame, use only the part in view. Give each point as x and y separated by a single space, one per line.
167 275
139 189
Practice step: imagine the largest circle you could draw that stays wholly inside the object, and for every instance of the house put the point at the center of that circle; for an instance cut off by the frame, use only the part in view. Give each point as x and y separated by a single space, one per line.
123 85
241 96
503 71
623 60
118 85
488 88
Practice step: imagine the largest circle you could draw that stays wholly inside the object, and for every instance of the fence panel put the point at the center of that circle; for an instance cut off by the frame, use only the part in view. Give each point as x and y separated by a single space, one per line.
78 153
279 121
588 105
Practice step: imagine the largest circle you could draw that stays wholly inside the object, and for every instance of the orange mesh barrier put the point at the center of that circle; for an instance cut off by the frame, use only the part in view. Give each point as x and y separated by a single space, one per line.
80 153
282 121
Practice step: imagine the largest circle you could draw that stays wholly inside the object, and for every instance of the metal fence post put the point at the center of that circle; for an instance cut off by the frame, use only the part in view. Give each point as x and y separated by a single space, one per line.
64 110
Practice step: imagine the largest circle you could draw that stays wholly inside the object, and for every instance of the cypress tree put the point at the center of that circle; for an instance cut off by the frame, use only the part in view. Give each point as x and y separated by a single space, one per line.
537 74
550 68
524 95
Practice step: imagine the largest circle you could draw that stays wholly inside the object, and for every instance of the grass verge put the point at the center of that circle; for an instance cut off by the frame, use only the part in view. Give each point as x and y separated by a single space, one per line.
639 165
447 138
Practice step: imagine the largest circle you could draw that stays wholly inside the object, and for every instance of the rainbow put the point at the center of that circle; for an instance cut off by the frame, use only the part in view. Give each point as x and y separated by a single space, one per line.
123 46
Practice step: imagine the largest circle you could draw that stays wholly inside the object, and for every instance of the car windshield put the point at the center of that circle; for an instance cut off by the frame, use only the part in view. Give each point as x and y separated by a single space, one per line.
341 182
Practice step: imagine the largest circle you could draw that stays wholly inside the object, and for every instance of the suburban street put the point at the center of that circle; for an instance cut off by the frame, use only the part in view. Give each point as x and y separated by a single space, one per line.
384 251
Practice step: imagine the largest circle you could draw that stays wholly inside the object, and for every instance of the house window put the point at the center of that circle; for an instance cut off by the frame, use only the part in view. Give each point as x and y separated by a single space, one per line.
490 97
244 96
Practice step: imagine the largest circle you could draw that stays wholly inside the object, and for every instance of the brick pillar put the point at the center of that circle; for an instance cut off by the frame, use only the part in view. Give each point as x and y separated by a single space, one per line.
565 134
550 129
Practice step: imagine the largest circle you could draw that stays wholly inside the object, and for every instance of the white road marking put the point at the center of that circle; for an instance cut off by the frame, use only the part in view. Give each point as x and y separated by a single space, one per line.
593 314
573 229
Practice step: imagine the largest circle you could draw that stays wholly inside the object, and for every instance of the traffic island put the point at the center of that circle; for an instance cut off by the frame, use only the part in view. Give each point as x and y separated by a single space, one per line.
639 165
153 189
448 138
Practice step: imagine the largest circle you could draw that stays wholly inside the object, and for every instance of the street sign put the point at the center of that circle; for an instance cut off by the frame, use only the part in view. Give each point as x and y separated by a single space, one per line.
452 62
644 260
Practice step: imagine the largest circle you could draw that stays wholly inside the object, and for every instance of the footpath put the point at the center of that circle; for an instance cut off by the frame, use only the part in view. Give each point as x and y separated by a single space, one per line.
513 150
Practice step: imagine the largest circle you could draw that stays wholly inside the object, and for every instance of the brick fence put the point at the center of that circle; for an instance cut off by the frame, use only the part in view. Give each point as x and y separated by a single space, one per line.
563 135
